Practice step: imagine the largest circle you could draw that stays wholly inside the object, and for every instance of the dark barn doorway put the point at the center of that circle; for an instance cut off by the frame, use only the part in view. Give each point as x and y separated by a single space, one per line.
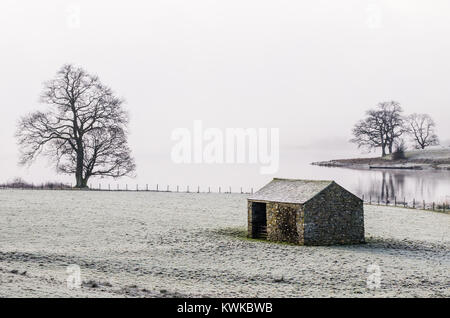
259 220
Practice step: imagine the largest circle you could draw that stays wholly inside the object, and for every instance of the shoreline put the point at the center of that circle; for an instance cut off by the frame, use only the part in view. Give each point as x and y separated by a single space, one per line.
387 164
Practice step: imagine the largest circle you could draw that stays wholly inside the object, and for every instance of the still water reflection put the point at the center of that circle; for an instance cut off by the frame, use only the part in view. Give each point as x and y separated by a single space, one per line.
428 185
431 186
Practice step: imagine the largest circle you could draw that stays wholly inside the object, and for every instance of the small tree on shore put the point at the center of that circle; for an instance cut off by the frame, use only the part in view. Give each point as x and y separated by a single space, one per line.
421 127
381 128
84 131
392 114
400 151
370 133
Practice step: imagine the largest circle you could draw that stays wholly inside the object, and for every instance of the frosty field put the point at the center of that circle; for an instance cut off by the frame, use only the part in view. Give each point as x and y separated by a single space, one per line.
148 244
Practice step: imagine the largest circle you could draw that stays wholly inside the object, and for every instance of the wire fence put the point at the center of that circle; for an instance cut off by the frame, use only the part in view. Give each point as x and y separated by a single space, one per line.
368 199
405 203
126 187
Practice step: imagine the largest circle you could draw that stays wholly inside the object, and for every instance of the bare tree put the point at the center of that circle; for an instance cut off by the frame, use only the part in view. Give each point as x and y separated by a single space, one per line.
393 121
381 128
422 129
84 131
370 133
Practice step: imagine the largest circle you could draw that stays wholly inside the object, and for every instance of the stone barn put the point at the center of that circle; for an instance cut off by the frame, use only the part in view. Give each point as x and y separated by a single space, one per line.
306 212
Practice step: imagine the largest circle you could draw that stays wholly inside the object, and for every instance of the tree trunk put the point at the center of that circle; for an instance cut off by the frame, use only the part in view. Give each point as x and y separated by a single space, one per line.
84 183
79 178
80 181
383 182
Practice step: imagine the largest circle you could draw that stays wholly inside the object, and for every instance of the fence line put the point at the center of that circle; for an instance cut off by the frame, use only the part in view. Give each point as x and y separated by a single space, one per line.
369 199
119 187
411 204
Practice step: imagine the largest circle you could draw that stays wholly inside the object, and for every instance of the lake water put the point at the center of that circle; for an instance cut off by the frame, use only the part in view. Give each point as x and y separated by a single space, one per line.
153 169
431 186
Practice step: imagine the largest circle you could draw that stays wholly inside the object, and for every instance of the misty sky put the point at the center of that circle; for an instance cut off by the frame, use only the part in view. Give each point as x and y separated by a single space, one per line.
310 68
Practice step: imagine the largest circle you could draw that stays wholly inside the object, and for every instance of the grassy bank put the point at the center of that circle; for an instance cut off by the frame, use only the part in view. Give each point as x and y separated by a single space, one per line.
437 158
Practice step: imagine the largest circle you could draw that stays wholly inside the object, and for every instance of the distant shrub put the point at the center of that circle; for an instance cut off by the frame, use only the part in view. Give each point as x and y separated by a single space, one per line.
19 183
399 153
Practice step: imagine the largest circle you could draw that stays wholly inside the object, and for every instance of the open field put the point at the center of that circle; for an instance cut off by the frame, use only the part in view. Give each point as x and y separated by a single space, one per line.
149 244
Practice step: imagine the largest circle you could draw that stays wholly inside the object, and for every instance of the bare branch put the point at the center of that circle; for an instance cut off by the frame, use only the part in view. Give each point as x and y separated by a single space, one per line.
84 130
421 127
381 128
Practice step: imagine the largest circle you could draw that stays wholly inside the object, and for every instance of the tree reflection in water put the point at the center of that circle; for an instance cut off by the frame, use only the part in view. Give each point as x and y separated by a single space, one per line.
400 185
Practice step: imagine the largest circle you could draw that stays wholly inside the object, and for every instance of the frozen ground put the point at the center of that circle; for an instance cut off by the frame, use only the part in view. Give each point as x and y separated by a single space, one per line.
168 245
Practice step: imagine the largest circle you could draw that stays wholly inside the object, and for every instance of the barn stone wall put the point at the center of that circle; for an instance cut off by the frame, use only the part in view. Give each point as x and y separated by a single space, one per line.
250 219
283 222
334 216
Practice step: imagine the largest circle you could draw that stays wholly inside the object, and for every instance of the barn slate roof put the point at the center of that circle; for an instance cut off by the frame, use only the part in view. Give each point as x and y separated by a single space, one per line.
290 190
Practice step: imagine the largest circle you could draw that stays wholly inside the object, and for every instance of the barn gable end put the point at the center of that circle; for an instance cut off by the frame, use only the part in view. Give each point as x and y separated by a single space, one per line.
334 216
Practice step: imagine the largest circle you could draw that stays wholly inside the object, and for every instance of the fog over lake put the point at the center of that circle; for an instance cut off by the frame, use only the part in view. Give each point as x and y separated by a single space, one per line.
308 68
431 186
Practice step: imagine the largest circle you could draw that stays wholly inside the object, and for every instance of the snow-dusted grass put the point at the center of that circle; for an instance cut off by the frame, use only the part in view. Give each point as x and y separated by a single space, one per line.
174 244
431 153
